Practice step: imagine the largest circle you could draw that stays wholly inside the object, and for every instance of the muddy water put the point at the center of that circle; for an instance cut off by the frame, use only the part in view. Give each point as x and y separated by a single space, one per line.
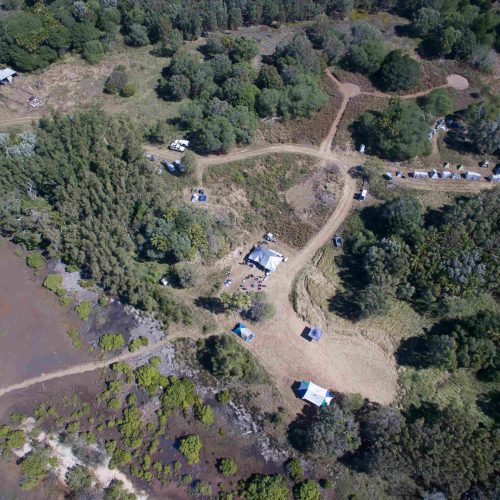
33 325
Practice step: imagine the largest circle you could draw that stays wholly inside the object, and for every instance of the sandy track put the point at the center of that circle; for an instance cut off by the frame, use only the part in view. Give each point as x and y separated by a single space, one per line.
83 368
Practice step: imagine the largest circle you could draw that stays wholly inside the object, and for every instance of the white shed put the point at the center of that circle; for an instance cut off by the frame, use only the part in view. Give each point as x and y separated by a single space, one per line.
419 175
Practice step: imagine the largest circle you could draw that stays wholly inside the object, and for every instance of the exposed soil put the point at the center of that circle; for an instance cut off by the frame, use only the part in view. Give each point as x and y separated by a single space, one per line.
33 325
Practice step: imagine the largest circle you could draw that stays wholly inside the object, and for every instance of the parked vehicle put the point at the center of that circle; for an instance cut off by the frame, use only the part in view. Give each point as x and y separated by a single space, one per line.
338 241
169 166
179 145
179 166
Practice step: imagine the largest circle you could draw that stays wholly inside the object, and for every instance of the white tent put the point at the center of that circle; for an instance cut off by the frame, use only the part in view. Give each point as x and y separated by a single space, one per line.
314 393
266 258
6 75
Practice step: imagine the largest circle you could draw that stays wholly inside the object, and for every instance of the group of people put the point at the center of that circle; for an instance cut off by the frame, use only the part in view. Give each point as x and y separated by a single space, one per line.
252 282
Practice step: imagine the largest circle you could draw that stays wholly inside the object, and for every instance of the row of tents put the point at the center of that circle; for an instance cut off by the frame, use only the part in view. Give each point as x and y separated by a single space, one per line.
434 174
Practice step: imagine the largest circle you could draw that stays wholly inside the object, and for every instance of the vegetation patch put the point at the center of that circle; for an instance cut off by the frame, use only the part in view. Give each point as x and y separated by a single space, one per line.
264 182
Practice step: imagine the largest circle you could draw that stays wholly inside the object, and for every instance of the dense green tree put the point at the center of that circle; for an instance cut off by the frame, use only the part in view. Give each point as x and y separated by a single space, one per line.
244 49
366 57
269 78
137 35
261 487
398 133
190 446
79 478
402 216
307 490
398 71
261 309
438 102
331 431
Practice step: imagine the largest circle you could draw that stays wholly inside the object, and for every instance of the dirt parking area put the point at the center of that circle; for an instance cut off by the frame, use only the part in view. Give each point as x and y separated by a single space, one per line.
33 325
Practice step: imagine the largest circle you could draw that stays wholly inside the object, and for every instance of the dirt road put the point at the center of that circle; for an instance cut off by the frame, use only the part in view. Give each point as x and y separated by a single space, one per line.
86 367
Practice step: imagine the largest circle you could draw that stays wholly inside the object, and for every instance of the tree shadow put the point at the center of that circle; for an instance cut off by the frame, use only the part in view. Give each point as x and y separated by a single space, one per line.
411 352
490 404
297 435
211 304
343 305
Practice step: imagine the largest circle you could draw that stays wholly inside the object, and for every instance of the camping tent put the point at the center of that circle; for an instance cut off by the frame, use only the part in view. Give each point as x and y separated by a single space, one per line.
6 75
245 333
314 393
315 333
266 258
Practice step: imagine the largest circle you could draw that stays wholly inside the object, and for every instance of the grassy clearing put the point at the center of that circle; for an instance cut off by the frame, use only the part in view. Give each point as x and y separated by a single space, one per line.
256 190
460 389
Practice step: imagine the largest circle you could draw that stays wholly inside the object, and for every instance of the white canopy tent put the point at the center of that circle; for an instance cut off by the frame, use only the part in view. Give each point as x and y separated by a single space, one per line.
314 393
266 258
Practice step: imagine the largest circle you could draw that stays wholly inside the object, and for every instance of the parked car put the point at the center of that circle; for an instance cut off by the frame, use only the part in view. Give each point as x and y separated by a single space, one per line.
179 145
176 146
169 166
179 166
338 241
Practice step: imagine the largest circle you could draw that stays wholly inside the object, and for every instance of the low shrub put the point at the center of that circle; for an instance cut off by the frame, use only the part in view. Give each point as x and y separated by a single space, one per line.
111 341
53 282
227 467
83 309
35 261
190 446
204 414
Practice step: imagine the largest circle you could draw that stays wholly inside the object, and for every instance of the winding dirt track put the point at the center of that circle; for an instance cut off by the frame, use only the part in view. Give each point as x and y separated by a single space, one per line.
345 363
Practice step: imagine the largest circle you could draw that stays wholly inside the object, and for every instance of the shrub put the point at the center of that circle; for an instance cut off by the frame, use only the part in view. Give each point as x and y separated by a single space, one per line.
190 162
103 301
136 344
227 467
223 397
307 490
83 309
190 446
187 275
128 90
111 341
65 301
34 467
326 484
437 103
53 282
398 72
35 261
228 359
261 309
114 404
262 487
149 378
115 491
186 479
115 83
204 414
93 51
236 300
74 335
294 469
178 393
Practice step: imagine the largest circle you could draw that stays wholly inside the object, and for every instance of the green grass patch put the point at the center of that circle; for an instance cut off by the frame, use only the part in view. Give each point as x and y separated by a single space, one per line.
264 181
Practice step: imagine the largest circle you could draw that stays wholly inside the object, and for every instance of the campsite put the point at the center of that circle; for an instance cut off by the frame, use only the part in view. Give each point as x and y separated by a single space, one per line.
249 250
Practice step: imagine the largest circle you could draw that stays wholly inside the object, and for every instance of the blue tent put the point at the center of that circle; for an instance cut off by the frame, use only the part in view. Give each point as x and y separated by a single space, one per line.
315 333
202 197
245 333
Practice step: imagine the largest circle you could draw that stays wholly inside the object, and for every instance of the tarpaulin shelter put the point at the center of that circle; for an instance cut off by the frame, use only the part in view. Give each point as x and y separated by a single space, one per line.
314 393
